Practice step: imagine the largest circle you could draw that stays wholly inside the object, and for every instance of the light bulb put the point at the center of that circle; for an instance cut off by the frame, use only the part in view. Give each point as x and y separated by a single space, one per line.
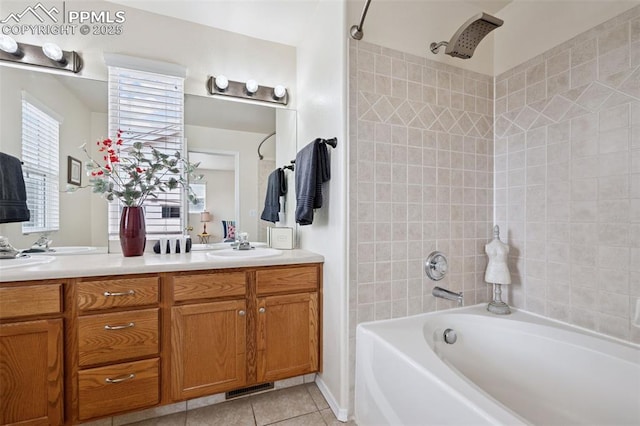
53 52
279 92
221 82
252 87
9 45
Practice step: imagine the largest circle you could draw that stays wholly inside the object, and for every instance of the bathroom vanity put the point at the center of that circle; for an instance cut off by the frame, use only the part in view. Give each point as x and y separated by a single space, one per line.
99 335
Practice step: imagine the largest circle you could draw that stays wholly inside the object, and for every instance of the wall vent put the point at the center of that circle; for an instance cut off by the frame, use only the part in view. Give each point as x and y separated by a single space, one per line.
248 390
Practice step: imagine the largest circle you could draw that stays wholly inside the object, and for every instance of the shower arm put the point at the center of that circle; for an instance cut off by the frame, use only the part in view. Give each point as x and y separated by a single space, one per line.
356 30
436 46
263 141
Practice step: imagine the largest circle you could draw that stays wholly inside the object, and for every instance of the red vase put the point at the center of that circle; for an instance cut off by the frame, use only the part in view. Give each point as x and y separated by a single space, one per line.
133 234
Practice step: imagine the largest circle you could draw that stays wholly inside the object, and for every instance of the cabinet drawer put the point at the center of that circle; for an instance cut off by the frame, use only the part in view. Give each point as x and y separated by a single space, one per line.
30 300
116 337
118 388
113 293
285 280
206 286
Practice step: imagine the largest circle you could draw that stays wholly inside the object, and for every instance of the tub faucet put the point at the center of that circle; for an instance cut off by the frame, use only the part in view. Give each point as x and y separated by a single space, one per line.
446 294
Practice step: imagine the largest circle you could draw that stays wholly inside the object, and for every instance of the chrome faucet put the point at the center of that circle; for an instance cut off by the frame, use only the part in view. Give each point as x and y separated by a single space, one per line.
448 295
43 243
7 251
243 241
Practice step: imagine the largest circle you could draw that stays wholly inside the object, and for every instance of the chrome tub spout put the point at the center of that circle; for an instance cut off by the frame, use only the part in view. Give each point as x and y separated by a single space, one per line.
447 294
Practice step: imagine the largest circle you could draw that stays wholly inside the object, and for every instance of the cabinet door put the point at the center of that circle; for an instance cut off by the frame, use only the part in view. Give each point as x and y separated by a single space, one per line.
31 373
208 348
287 336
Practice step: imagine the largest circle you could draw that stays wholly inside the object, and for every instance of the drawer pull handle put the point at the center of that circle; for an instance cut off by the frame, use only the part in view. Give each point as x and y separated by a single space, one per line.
242 313
262 310
122 293
119 327
119 379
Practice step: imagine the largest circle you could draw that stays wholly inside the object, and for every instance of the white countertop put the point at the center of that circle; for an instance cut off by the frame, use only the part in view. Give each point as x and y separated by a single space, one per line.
91 265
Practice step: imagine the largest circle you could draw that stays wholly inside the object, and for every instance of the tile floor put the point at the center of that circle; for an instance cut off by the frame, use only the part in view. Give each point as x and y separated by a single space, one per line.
301 405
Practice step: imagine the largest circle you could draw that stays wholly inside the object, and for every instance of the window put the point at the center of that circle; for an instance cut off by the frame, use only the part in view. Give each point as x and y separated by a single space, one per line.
149 108
200 189
40 155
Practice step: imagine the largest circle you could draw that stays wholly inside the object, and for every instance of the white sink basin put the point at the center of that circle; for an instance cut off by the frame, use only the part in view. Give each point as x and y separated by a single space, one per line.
219 246
25 261
61 251
244 254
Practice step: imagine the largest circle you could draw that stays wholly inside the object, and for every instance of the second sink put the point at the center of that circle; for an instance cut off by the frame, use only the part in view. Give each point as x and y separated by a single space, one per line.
257 252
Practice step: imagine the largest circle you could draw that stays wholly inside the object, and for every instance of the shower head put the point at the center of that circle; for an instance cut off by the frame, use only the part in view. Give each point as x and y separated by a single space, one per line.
469 35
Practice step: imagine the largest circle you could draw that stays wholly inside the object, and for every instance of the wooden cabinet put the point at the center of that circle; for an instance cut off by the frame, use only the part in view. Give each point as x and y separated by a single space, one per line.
287 336
117 331
239 328
208 348
80 349
31 355
118 387
288 322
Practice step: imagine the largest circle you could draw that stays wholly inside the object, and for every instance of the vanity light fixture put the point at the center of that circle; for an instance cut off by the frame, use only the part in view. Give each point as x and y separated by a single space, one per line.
9 45
50 55
279 92
252 87
222 83
53 52
219 85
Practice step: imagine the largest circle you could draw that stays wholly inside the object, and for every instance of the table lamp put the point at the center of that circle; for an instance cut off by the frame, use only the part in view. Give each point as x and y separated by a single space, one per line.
497 272
205 217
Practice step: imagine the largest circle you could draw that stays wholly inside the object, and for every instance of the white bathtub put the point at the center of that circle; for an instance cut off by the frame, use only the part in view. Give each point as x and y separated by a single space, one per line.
514 369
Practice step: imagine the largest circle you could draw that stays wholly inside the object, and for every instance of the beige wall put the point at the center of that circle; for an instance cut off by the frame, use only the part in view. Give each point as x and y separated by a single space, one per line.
220 202
532 27
203 50
567 178
207 139
420 180
76 128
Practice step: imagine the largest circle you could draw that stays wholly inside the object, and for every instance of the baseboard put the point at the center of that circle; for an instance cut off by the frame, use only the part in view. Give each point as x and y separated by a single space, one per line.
342 414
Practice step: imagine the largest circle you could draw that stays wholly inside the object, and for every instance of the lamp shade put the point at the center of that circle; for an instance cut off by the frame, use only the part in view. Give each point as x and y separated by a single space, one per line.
205 216
497 268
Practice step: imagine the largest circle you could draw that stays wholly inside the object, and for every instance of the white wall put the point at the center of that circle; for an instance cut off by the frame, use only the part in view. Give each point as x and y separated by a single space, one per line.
411 26
76 128
220 202
205 51
533 27
207 139
322 113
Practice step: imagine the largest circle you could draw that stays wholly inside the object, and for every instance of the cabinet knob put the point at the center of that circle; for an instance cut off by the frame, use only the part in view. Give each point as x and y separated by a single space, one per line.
262 310
242 313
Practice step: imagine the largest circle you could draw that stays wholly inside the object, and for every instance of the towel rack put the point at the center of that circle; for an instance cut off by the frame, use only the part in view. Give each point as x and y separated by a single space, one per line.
290 166
333 142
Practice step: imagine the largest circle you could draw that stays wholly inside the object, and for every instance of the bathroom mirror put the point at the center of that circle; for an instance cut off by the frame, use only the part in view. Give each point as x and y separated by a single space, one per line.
214 127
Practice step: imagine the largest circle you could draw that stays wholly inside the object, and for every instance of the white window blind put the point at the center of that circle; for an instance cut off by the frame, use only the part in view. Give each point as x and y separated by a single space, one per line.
149 108
40 155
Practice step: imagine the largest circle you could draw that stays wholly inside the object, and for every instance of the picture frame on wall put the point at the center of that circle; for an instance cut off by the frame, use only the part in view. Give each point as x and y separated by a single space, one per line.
74 171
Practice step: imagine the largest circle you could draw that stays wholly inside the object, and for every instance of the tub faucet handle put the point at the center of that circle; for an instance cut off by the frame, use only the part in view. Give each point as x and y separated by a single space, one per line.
436 266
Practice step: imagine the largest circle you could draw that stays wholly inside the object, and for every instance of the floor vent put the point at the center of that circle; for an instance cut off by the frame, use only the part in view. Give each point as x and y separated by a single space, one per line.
248 390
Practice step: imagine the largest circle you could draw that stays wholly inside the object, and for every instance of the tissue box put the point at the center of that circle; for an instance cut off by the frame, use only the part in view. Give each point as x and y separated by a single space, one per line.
281 238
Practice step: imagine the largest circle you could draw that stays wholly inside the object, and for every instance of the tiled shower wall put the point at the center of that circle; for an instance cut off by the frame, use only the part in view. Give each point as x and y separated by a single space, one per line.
567 178
421 178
